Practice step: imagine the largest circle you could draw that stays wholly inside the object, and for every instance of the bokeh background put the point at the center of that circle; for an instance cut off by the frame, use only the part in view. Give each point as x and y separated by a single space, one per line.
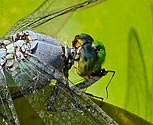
109 22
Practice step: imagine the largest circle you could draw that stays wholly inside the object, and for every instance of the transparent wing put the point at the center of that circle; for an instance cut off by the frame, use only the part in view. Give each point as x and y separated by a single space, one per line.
74 103
64 111
72 107
47 11
77 104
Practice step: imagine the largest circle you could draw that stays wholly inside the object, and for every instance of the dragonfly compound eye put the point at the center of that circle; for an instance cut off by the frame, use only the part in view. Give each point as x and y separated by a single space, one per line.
82 39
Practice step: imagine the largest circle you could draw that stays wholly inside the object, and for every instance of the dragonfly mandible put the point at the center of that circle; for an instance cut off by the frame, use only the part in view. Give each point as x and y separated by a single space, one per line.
23 57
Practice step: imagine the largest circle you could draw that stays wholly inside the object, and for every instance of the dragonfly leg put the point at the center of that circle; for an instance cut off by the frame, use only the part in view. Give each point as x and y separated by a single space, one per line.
89 94
104 72
113 73
50 104
95 76
58 95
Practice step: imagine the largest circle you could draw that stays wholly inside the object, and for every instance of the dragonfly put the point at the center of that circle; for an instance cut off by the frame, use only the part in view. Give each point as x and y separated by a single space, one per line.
31 62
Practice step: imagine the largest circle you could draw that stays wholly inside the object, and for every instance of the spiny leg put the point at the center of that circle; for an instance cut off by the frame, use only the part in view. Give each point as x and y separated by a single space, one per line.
89 94
113 73
95 77
51 100
57 96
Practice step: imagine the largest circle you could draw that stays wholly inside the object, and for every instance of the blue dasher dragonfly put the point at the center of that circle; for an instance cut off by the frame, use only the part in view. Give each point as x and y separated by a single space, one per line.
37 66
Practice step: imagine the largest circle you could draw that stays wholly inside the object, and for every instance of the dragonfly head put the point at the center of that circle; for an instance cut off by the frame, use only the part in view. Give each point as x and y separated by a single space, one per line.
90 55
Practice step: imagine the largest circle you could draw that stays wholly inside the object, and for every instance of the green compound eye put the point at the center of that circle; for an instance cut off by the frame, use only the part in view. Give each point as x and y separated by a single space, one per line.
90 55
101 54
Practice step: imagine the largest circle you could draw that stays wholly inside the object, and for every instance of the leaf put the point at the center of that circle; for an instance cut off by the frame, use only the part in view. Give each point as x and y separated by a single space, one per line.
121 116
138 94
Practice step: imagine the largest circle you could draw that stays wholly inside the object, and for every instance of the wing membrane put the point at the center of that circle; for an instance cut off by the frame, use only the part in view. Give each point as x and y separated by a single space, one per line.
47 11
81 106
74 99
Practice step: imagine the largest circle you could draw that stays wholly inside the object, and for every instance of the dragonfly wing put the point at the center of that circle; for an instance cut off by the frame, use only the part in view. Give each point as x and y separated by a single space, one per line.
69 114
70 106
83 107
47 11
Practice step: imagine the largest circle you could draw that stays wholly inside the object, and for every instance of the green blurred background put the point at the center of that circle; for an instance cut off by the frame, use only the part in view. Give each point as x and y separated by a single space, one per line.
109 22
